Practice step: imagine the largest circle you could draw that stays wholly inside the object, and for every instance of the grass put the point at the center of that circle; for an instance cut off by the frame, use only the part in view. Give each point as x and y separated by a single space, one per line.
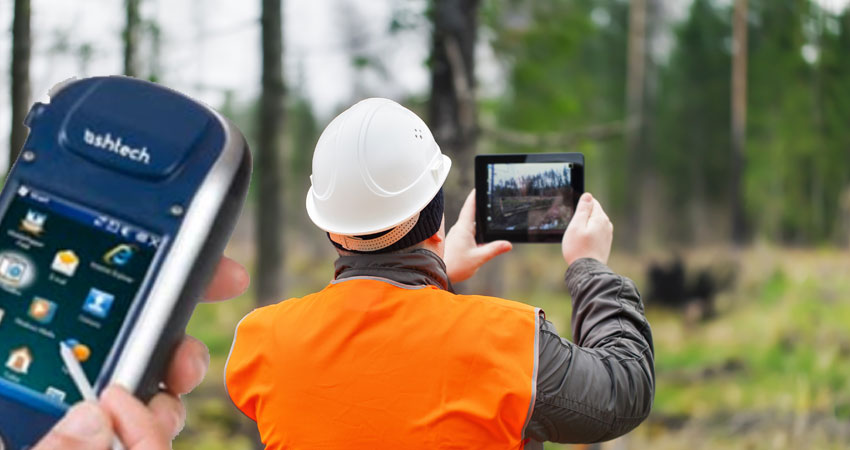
769 371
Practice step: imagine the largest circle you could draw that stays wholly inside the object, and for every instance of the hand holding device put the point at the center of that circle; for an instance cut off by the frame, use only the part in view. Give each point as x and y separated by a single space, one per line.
89 426
464 256
112 222
590 233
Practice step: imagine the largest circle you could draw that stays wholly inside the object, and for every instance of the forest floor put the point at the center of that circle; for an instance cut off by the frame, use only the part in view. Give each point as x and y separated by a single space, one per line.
767 370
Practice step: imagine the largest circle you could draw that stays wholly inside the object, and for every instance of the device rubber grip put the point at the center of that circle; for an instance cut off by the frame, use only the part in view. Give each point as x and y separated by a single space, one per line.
199 278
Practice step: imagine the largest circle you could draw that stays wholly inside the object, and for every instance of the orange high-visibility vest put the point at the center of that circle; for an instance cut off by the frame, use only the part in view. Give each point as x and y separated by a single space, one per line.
367 363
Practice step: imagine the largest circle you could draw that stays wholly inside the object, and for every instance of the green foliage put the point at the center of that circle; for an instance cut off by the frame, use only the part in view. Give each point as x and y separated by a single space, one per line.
797 149
692 141
566 72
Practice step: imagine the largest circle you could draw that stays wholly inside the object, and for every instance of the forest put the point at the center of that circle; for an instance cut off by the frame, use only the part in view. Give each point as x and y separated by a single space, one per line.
716 135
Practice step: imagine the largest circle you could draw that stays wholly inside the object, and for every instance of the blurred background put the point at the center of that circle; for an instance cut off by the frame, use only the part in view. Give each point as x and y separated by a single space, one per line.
716 132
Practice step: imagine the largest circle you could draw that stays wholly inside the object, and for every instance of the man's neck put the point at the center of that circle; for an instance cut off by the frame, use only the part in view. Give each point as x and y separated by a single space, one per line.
417 267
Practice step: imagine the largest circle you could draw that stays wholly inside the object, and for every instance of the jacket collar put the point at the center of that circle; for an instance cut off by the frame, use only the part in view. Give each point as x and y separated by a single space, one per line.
416 268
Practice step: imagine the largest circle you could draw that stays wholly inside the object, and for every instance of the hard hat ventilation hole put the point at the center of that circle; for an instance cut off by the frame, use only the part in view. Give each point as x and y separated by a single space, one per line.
417 133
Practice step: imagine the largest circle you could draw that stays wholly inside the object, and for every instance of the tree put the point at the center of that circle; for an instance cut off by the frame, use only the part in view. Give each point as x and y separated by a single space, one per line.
635 103
834 104
20 74
783 180
131 38
270 157
739 117
452 108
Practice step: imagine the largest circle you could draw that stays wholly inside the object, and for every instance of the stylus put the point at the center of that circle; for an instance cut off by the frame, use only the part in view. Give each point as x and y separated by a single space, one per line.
82 383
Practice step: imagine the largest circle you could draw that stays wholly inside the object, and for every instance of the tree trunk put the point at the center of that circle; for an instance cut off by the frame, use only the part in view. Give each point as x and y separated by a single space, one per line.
739 118
20 73
131 38
270 156
452 110
453 116
635 85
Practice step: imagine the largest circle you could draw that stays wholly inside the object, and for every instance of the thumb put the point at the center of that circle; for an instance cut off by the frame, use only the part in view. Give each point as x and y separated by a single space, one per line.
486 252
467 212
583 210
85 427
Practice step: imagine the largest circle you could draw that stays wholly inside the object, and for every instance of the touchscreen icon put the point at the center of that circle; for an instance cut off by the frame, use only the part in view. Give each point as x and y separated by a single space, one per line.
12 269
65 262
19 360
119 255
33 223
42 310
98 303
81 351
54 394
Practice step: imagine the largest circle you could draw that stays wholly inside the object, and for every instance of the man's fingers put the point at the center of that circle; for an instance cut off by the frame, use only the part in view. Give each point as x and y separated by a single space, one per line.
584 209
169 412
85 427
230 280
134 424
188 366
491 250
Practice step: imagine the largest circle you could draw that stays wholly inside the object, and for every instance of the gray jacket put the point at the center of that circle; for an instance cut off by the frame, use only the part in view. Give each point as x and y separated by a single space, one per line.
596 388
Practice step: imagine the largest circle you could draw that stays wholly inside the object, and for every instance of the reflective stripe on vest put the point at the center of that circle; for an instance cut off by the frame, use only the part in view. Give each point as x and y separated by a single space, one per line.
370 364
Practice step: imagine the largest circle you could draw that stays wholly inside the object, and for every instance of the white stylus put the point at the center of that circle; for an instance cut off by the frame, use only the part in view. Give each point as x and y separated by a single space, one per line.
82 383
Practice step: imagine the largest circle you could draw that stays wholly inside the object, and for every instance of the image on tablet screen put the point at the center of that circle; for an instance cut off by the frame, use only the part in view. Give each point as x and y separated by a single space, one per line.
532 197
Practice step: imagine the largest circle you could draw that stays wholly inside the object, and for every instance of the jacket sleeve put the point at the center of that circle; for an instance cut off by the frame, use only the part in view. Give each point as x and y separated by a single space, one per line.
601 386
247 372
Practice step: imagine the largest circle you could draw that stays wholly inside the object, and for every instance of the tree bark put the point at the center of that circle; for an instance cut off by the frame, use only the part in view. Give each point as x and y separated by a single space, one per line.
132 28
453 114
452 110
270 156
20 74
635 89
739 119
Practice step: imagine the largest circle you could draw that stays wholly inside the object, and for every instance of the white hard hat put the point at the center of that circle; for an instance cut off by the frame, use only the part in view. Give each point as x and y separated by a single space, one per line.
375 167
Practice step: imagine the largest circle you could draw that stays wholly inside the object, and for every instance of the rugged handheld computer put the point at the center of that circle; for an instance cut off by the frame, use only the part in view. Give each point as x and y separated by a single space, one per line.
112 222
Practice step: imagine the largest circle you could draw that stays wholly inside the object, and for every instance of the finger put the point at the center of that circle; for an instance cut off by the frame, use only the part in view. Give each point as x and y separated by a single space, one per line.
188 366
467 212
169 413
135 425
85 427
491 250
584 209
230 280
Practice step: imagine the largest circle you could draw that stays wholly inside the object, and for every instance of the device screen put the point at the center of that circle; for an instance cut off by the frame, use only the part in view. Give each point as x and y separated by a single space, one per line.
530 197
67 274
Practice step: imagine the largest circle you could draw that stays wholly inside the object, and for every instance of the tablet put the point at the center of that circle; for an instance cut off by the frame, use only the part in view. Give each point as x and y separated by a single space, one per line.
526 197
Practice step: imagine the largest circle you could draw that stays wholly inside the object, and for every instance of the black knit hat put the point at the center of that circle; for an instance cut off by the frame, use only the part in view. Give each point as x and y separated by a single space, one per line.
430 219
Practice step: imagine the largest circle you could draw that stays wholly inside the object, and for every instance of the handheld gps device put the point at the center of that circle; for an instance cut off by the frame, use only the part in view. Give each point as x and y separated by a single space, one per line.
527 197
112 222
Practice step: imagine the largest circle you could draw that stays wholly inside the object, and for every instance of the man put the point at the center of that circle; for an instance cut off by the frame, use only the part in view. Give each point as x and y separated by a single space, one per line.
92 426
387 356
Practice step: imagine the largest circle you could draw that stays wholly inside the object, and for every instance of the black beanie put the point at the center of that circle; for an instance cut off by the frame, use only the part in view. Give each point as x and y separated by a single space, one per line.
430 219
